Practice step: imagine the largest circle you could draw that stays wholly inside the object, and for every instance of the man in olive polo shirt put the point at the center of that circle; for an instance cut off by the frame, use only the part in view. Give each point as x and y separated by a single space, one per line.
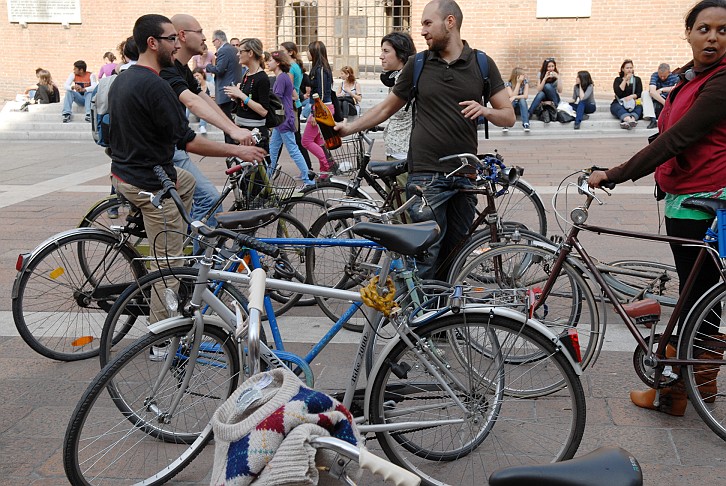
447 106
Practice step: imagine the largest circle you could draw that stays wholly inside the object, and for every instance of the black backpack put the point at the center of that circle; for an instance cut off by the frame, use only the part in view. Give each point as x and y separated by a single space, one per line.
276 113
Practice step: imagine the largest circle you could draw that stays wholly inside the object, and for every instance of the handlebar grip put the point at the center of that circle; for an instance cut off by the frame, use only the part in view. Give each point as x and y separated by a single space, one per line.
608 185
388 471
257 289
161 174
233 169
255 244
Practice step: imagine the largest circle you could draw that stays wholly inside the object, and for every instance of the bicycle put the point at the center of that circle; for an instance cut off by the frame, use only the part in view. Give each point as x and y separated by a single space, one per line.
702 340
435 401
65 287
347 268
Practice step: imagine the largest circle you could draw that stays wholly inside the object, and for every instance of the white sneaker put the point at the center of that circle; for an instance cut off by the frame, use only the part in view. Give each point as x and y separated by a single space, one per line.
202 130
505 129
526 127
158 353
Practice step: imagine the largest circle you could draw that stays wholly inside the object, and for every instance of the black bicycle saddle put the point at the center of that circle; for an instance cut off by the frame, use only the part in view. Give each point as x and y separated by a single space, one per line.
388 169
705 204
406 239
244 220
607 466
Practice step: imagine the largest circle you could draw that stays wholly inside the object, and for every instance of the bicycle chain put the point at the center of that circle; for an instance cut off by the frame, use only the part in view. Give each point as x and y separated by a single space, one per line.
382 303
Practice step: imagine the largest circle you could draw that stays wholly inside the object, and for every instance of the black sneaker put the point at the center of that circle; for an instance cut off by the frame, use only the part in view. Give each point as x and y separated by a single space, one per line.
66 117
88 118
653 124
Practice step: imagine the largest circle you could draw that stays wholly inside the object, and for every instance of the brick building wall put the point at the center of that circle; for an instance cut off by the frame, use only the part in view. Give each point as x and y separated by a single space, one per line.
648 32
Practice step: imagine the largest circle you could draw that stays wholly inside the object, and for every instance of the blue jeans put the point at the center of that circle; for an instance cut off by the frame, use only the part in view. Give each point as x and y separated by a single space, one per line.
621 113
520 106
279 138
452 210
581 108
82 99
548 93
205 193
202 123
306 108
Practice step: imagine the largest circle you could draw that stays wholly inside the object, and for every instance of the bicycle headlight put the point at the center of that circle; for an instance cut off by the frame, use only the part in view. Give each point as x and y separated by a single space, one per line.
171 301
578 215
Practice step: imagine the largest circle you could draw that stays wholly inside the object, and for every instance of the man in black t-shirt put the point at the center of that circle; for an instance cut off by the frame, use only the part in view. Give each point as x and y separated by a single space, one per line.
448 104
147 123
181 79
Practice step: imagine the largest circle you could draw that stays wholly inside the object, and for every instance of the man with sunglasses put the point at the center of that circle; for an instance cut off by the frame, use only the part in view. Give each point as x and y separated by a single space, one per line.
227 72
180 78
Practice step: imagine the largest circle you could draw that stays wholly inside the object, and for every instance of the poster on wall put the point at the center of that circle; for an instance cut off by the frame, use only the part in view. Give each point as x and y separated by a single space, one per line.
552 9
45 11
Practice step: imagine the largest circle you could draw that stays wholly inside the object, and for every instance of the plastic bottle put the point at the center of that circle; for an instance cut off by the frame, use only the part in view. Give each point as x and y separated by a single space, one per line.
326 123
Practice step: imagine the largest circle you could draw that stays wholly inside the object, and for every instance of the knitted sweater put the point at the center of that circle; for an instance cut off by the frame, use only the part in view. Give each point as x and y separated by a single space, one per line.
262 431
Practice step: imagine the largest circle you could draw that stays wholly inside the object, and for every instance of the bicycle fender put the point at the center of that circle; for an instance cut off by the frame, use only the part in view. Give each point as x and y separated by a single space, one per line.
53 240
96 205
483 309
178 321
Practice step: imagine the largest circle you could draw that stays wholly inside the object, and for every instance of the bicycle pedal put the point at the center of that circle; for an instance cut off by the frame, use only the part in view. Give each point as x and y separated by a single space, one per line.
401 370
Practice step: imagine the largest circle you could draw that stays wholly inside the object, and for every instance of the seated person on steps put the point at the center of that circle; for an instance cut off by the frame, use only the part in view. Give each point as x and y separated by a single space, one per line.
661 83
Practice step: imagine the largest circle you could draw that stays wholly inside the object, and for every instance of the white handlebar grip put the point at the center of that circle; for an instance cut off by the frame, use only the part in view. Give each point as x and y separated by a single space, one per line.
388 471
257 289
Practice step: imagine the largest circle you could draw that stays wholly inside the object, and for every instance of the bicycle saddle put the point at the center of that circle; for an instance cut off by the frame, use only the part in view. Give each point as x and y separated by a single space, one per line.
247 219
705 204
406 239
606 466
388 169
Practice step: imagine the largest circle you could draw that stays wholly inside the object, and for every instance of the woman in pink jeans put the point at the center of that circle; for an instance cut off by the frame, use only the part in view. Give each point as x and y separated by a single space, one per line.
321 78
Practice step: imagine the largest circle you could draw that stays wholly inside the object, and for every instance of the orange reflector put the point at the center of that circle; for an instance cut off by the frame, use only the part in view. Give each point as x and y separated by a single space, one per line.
82 341
57 273
575 342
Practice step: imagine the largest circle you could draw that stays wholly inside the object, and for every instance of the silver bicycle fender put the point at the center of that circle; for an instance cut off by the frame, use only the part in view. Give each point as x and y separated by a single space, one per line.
498 311
53 240
97 204
172 322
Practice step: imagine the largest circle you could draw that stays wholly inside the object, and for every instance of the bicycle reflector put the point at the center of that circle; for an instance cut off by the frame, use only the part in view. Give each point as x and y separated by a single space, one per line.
571 341
20 263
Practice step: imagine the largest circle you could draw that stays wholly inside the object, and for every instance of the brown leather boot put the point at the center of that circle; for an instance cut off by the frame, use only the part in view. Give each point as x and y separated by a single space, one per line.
706 374
673 400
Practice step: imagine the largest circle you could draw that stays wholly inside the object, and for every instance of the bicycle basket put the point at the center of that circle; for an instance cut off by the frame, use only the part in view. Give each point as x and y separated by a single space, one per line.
262 191
349 154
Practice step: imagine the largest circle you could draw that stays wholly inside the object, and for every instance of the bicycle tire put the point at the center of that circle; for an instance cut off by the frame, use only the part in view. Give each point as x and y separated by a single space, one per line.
65 290
328 191
497 430
339 267
481 242
704 337
664 287
129 317
570 304
289 265
112 428
521 204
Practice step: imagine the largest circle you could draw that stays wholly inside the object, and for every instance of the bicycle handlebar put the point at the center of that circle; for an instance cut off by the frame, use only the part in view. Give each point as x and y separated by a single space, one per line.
488 166
236 164
247 241
389 215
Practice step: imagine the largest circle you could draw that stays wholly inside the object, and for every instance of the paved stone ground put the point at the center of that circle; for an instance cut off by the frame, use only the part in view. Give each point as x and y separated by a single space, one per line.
45 188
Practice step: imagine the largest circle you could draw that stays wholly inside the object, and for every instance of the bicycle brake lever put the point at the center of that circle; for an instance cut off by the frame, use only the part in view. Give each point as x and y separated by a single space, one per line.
152 198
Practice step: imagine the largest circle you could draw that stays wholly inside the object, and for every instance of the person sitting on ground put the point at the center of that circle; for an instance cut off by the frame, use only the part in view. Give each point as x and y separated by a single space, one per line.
349 92
549 87
79 89
47 91
30 90
518 90
627 87
661 83
109 67
583 97
202 61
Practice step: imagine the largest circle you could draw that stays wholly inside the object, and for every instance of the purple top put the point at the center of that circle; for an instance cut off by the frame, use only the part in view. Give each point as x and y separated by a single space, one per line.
283 89
106 70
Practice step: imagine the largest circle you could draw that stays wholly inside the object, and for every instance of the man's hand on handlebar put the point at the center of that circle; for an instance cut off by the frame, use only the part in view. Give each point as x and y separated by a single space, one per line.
249 153
242 135
597 179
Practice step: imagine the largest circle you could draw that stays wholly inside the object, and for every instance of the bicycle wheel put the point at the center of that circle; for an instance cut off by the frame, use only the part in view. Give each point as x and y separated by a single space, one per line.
328 191
62 296
340 267
305 209
636 278
481 242
526 269
130 316
704 337
289 265
117 435
521 204
442 442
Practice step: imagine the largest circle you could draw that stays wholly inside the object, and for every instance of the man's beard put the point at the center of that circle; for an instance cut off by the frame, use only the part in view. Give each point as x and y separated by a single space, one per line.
438 45
166 59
